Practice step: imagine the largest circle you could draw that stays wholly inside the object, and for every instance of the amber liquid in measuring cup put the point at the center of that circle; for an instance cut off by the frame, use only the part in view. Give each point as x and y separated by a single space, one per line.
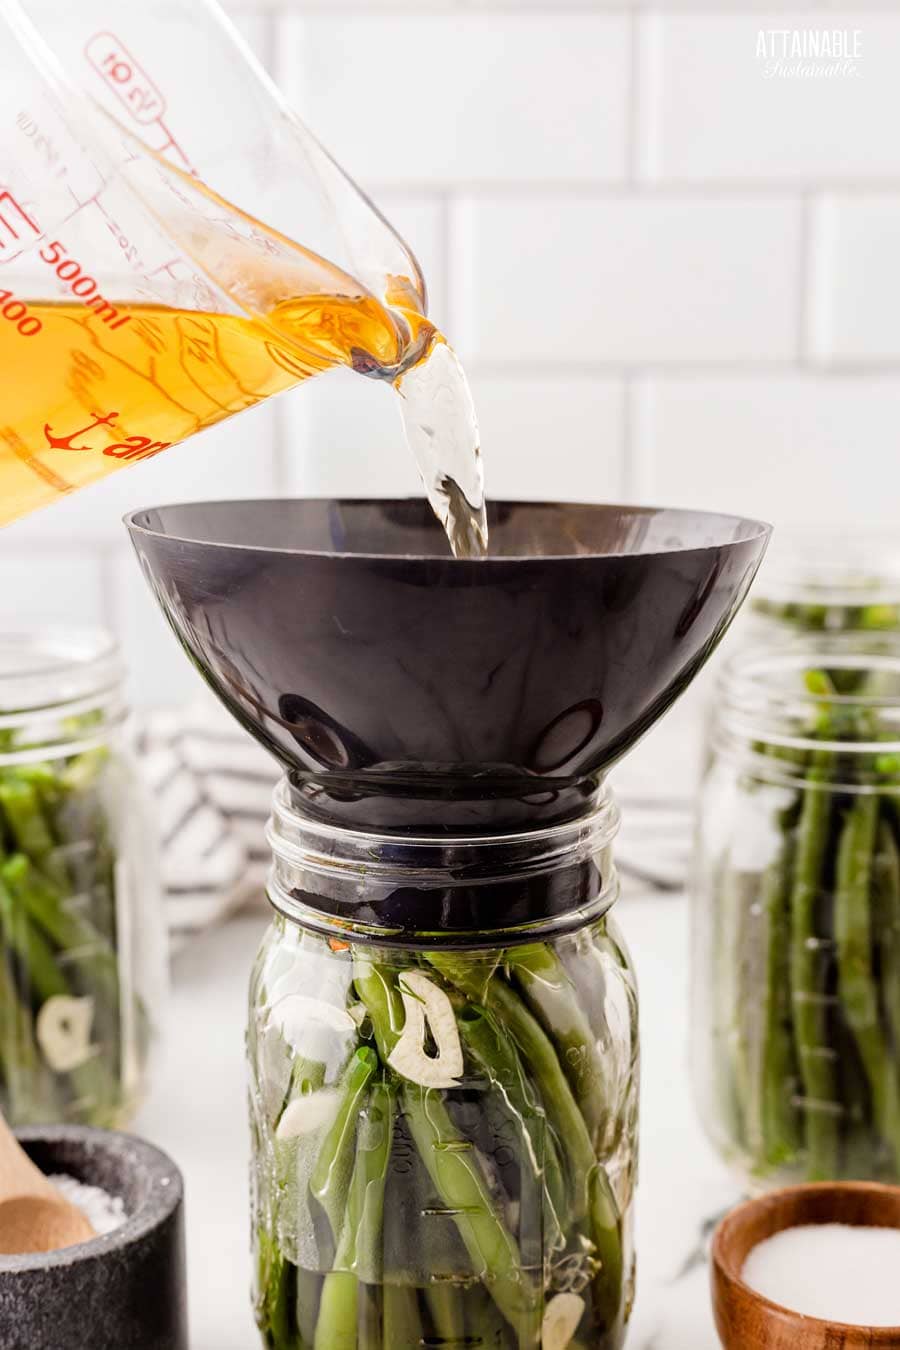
93 384
93 392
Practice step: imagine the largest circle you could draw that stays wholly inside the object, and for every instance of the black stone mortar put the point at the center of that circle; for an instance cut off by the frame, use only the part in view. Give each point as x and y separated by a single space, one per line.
124 1291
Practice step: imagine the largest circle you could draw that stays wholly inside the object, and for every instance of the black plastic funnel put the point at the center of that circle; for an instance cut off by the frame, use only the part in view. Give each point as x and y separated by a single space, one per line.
407 689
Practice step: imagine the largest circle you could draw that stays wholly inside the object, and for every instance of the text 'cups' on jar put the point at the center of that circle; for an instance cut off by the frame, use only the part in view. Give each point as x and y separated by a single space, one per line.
796 913
82 959
444 1074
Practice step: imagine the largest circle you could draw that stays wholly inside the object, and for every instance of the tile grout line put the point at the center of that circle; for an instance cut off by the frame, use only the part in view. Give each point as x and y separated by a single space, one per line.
450 8
629 469
633 127
805 280
710 369
445 255
271 20
639 189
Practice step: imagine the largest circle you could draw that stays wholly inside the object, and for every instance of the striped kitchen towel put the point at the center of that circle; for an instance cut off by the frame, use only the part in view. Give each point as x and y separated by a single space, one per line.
212 786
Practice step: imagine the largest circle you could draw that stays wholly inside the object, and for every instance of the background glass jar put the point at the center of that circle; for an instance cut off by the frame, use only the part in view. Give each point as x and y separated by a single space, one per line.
444 1077
818 581
82 962
796 913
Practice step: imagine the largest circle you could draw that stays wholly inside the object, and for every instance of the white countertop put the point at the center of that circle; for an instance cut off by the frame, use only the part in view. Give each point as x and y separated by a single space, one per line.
198 1115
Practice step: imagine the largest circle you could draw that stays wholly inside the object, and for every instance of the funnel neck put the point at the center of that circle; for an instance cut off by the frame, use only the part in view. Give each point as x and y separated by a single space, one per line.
423 890
408 691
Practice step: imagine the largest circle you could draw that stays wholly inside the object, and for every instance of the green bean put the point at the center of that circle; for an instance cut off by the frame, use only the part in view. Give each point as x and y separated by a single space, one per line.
283 1286
746 1014
382 1001
55 818
451 1163
276 1283
780 1119
606 1228
334 1166
336 1327
361 1221
887 900
499 1060
455 1171
559 1102
370 1301
588 1177
402 1324
856 981
22 808
485 1328
307 1075
30 1089
44 977
366 1210
309 1285
80 943
551 996
814 1054
83 951
446 1309
859 1158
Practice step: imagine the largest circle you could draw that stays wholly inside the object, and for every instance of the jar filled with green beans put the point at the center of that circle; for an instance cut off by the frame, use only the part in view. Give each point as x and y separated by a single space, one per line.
815 581
796 913
444 1075
82 956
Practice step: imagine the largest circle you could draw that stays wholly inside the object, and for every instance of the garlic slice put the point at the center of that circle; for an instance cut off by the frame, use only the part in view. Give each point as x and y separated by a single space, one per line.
63 1030
561 1318
296 1013
424 1001
305 1115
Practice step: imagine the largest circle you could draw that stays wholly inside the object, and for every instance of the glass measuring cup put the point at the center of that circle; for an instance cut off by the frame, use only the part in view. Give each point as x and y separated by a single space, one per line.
150 284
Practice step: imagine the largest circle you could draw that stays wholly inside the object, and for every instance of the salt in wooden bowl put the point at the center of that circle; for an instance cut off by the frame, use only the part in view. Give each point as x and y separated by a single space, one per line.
745 1319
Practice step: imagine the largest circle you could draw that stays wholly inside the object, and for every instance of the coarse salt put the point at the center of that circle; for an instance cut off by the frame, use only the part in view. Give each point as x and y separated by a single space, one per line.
104 1212
832 1271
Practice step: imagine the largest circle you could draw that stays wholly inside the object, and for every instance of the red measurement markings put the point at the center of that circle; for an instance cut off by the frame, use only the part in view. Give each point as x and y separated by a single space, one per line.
83 287
16 227
42 143
203 294
132 86
132 447
16 311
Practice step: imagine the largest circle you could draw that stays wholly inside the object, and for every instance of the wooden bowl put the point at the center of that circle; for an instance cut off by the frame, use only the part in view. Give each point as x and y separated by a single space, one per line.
747 1321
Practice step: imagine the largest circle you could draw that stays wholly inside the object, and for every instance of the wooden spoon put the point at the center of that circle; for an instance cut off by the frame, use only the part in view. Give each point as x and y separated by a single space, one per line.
34 1217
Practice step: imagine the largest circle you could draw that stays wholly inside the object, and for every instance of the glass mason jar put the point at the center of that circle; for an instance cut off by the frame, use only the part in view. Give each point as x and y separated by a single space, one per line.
815 581
796 914
82 965
444 1077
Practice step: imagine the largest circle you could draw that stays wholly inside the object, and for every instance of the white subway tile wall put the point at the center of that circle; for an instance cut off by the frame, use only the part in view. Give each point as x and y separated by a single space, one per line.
487 99
630 279
715 115
671 266
855 279
799 446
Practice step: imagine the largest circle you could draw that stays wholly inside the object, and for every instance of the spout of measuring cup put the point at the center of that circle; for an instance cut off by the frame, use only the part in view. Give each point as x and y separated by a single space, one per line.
405 689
